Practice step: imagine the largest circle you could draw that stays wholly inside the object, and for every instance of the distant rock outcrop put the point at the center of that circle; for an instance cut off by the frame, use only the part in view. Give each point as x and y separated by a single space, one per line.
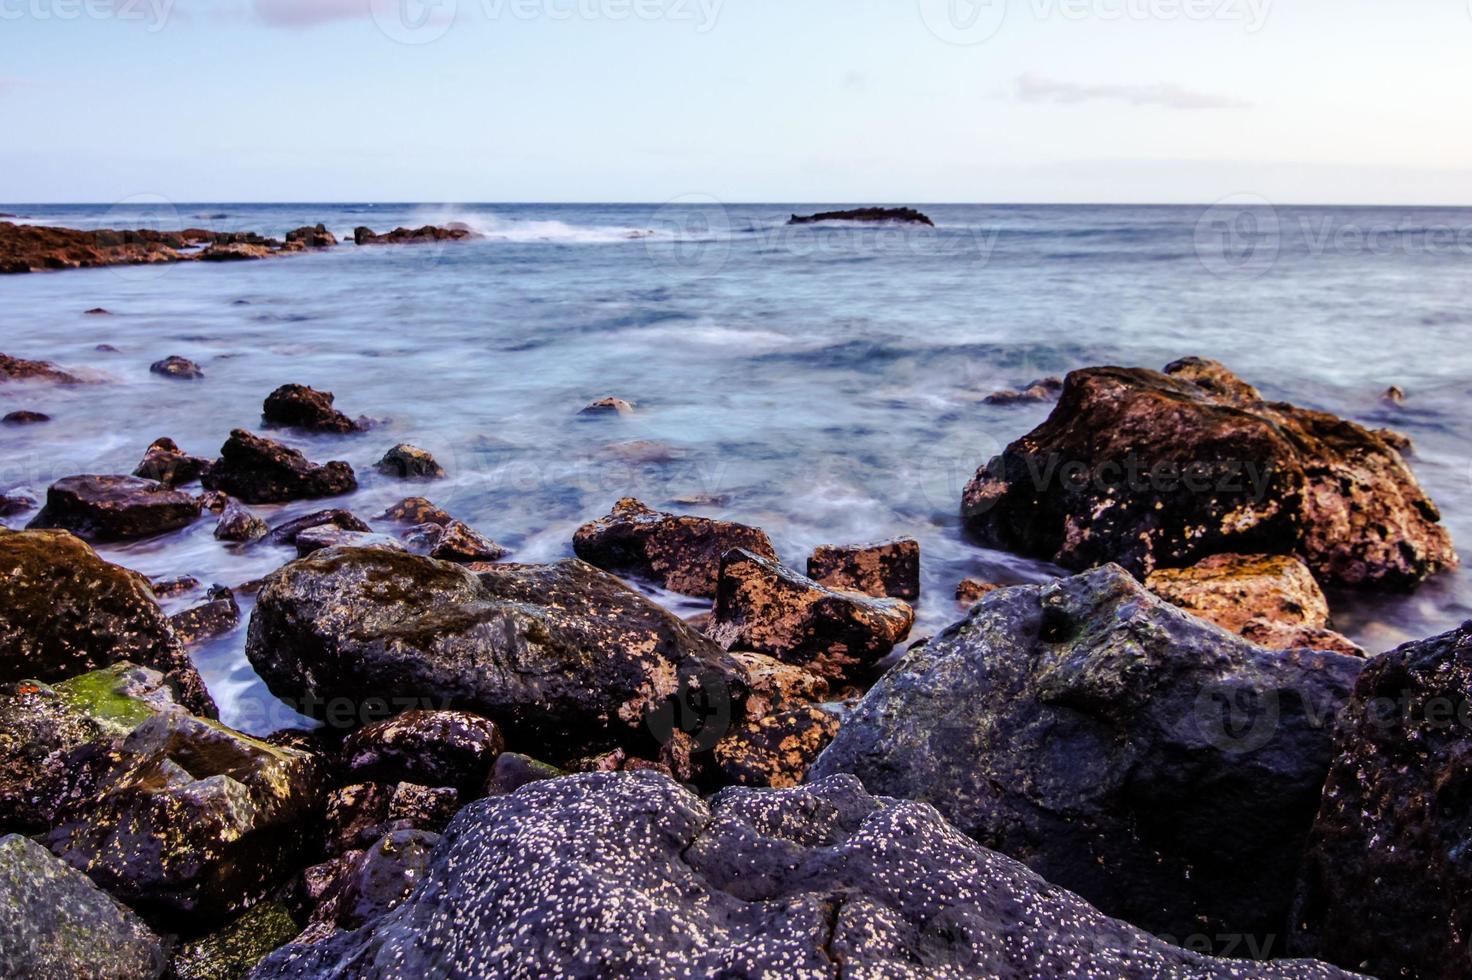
901 215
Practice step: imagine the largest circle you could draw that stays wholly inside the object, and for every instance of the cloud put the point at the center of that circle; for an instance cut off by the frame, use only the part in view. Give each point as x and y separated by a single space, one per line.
310 13
1033 87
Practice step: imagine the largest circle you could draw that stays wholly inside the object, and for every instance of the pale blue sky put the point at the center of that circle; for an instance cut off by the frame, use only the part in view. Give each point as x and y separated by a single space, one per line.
1312 101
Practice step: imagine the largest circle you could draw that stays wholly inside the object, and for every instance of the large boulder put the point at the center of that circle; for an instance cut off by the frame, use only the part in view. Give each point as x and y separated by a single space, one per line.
766 607
262 471
1387 885
1155 470
681 553
565 656
56 925
300 407
628 874
432 748
64 611
1272 600
115 508
191 822
1164 769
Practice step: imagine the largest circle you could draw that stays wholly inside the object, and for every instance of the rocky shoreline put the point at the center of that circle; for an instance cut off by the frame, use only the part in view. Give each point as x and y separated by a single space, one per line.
1164 763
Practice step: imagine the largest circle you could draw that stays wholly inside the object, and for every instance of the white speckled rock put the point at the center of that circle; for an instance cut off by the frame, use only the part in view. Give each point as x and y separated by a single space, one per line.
627 874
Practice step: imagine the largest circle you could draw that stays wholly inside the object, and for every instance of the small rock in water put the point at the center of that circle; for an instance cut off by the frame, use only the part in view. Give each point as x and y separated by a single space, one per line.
99 311
12 504
609 406
300 407
220 615
262 471
890 568
1395 439
410 463
681 553
1393 395
764 606
331 536
233 252
19 369
453 541
115 508
175 366
1042 390
363 235
165 462
177 586
970 591
106 348
416 510
25 418
313 236
645 451
344 520
900 215
239 524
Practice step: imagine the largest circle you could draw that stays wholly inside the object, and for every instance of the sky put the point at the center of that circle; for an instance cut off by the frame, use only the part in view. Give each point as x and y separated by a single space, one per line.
884 101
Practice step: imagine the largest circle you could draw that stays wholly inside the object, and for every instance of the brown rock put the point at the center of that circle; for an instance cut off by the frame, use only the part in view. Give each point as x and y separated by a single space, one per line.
608 406
220 615
27 247
344 520
890 568
313 237
19 369
331 536
970 591
354 816
1042 390
410 463
176 586
454 541
166 463
764 606
233 252
681 553
25 418
410 236
416 510
175 366
263 471
1156 470
777 749
300 407
115 508
1395 439
776 685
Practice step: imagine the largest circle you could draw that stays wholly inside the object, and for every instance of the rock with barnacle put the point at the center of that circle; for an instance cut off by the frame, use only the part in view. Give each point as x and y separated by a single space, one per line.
628 874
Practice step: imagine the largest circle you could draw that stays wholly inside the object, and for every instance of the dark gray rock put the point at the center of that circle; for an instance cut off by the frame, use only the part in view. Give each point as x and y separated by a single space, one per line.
627 874
433 748
344 519
165 462
262 471
1162 768
239 525
300 407
115 508
175 366
410 463
220 614
56 925
322 536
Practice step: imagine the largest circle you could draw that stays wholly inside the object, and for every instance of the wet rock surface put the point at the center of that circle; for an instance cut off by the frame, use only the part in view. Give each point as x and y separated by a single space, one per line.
1159 470
220 614
408 462
331 536
24 417
766 607
1386 885
608 406
56 925
628 874
343 520
262 471
239 525
901 215
1272 600
1167 771
313 236
232 952
681 553
363 235
300 407
889 568
564 655
115 508
178 367
431 748
20 369
454 541
166 463
64 611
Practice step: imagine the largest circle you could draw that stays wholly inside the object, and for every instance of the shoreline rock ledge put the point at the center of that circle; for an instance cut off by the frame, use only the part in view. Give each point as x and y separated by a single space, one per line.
1160 470
628 874
908 216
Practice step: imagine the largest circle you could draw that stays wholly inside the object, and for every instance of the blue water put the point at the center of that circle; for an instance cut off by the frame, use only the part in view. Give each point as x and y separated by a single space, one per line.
824 383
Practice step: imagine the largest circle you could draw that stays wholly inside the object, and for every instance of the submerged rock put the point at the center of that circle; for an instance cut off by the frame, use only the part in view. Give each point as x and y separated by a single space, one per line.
16 503
410 463
175 366
56 925
627 874
20 369
165 462
262 471
192 820
1165 770
1156 470
890 568
680 553
901 215
25 418
1045 389
764 606
115 508
563 655
331 536
64 611
1272 600
1386 886
343 520
608 406
300 407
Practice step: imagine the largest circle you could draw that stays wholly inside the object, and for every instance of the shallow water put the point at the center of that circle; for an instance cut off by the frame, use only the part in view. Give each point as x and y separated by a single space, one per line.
824 383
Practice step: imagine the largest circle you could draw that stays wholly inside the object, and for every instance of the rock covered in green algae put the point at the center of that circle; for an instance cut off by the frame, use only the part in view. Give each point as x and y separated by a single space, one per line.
628 874
44 727
1159 470
562 655
190 821
232 952
1164 769
56 925
64 611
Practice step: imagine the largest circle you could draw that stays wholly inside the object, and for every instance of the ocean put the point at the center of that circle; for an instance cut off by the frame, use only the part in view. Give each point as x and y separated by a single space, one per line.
825 383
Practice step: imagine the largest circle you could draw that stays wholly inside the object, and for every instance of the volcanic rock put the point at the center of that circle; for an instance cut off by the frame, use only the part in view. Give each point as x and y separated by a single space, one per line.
165 462
262 471
115 508
433 748
410 463
901 215
175 366
300 407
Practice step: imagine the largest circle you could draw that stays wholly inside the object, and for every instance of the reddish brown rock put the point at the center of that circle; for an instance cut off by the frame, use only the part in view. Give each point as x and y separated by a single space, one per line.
313 237
234 252
970 591
776 685
238 524
115 508
1272 600
776 749
262 471
608 406
410 463
19 369
24 248
454 541
411 236
1155 470
300 407
763 606
1042 390
416 510
681 553
165 462
175 366
890 568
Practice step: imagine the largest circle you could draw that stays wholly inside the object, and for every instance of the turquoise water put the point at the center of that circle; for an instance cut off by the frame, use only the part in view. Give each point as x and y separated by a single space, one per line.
825 383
